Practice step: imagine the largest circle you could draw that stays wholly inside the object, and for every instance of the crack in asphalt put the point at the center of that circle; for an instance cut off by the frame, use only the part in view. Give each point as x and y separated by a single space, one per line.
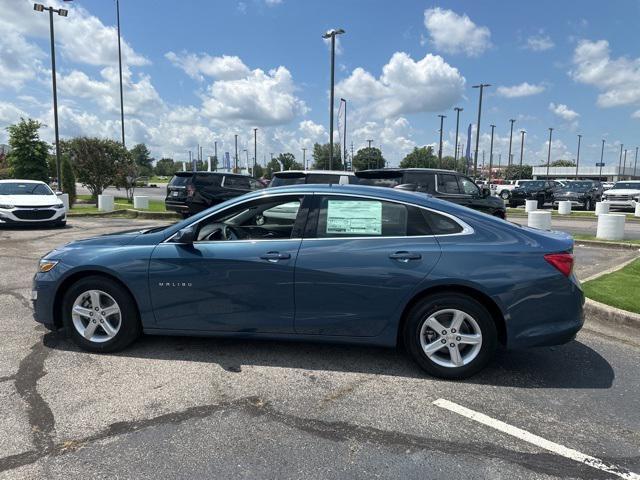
337 431
14 294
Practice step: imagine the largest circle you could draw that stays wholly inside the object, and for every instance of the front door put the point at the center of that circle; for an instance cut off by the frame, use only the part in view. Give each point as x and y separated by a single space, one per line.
238 274
359 263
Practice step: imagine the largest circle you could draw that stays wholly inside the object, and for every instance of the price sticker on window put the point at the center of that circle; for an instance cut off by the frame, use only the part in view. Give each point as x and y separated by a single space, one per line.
354 217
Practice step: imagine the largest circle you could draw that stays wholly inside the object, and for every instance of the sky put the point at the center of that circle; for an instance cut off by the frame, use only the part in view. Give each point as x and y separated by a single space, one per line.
200 71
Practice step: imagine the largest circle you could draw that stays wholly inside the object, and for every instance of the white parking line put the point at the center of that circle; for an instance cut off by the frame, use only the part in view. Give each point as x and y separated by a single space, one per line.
536 440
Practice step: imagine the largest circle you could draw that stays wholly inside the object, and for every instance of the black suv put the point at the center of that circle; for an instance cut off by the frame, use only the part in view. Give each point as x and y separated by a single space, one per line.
192 192
541 190
444 184
581 193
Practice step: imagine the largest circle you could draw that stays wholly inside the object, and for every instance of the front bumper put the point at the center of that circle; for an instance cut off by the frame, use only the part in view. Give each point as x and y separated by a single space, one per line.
575 202
43 299
31 216
621 203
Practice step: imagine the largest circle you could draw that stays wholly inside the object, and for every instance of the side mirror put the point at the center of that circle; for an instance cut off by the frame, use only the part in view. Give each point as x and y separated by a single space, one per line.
409 187
58 193
185 236
485 192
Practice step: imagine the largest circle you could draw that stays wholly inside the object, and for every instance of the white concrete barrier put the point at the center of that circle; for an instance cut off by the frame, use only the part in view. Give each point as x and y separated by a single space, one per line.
602 207
64 198
540 219
610 226
637 212
530 205
105 203
141 202
564 207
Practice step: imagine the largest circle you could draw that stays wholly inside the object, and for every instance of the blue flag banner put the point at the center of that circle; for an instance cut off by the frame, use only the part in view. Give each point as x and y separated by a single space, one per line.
227 160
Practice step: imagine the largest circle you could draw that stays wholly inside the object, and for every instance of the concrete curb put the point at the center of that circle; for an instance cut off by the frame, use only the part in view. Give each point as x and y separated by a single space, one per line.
602 243
129 213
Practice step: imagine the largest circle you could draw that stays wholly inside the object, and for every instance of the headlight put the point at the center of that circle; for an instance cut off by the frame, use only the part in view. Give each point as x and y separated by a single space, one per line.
6 206
46 265
59 206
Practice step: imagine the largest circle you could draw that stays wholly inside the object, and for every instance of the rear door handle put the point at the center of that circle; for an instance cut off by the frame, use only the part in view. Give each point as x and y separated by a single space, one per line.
404 257
275 256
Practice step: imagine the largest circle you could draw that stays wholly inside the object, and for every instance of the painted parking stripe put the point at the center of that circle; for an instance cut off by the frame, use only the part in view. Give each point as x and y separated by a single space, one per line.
536 440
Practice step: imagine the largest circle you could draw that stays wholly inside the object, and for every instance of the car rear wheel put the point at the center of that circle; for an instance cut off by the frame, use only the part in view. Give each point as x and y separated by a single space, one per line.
450 335
504 194
100 315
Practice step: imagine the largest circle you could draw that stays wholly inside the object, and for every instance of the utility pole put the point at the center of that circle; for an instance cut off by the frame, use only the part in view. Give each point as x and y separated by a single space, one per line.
369 153
235 167
635 163
522 132
120 68
624 168
352 156
491 155
602 160
455 150
332 35
620 162
344 137
578 156
215 153
255 150
442 117
549 152
510 158
475 155
304 158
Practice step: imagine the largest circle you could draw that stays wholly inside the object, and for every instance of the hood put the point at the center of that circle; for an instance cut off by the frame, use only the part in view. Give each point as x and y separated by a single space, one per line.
30 200
623 191
109 239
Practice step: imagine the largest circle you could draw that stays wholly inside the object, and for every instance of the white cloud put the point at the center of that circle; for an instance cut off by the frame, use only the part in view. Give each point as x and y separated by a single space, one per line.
225 67
539 43
636 114
524 89
453 33
617 78
9 113
405 86
564 112
19 59
272 3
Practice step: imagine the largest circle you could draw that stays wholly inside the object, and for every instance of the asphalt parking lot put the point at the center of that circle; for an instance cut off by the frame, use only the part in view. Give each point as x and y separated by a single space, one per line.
210 408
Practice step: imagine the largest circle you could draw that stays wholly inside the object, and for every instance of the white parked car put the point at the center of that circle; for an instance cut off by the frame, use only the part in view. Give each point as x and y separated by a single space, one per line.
504 189
623 194
25 202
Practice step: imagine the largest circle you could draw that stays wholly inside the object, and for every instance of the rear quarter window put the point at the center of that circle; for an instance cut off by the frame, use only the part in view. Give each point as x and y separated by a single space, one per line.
441 224
241 183
180 180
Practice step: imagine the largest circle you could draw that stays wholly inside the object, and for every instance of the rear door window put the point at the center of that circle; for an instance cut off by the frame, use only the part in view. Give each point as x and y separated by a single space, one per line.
240 183
424 181
441 224
180 180
279 181
448 183
320 178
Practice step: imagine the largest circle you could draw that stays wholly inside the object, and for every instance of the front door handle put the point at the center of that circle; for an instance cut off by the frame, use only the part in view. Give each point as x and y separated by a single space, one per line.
275 256
404 257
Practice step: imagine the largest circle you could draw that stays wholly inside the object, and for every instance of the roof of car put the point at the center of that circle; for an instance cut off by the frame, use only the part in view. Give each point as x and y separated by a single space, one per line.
187 173
401 170
19 180
315 172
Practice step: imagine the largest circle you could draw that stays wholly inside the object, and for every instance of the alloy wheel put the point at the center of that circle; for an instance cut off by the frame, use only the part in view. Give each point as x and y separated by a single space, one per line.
96 316
451 338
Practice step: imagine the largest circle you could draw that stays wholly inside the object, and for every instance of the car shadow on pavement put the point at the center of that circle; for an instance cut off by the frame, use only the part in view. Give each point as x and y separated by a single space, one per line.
574 365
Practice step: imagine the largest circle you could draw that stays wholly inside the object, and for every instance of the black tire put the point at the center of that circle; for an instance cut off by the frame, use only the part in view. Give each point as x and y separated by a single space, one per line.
513 204
61 224
420 312
129 328
540 202
505 194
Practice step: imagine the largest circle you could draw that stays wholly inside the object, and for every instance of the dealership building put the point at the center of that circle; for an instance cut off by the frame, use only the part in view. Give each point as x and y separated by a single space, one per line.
606 173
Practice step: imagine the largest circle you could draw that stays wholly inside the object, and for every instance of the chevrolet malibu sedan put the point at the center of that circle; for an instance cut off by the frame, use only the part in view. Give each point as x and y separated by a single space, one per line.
353 264
30 202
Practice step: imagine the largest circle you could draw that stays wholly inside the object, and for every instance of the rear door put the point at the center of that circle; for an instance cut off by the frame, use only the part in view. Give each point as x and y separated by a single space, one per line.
359 262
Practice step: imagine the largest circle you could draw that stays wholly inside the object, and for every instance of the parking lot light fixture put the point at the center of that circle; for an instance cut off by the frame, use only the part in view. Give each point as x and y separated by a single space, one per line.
522 134
475 155
331 34
442 117
602 160
493 127
455 150
578 155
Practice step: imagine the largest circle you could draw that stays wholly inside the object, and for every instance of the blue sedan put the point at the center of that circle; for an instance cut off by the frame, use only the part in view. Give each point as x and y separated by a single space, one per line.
337 263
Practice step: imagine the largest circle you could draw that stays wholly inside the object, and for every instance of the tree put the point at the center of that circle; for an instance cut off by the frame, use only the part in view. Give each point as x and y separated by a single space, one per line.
258 171
127 170
5 169
28 154
321 157
515 172
68 179
368 158
96 162
165 167
422 157
562 163
142 158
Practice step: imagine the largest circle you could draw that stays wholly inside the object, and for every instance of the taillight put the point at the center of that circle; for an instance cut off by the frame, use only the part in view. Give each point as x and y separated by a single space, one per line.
190 190
563 262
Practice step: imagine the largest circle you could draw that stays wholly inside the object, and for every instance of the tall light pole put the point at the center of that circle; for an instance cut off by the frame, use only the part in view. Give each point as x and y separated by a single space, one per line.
455 150
522 133
215 153
332 35
344 136
578 156
235 166
304 158
491 155
369 153
510 138
442 117
549 152
635 163
620 161
255 150
120 67
475 155
601 161
624 168
38 7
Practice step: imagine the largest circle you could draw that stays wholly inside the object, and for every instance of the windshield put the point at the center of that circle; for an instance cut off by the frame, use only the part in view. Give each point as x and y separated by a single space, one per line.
380 182
579 186
627 185
282 181
17 188
532 185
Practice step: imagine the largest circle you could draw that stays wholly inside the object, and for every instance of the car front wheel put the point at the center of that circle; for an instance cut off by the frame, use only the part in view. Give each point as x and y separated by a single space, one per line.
100 315
450 335
504 194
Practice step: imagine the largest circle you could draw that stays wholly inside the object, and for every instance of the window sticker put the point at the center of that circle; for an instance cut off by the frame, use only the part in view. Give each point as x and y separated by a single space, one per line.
353 217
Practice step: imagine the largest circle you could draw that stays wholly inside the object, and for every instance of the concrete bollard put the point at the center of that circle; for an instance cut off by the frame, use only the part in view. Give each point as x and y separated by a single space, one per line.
64 198
610 226
530 205
105 203
564 207
141 202
637 212
602 207
540 219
